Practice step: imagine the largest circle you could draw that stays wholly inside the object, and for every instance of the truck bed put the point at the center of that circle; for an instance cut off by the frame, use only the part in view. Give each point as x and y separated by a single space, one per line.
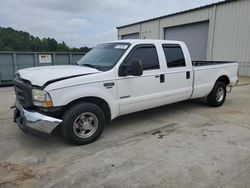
207 72
205 63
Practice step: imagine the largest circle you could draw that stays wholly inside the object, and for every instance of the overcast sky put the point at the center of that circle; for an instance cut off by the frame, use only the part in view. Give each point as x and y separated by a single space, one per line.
84 22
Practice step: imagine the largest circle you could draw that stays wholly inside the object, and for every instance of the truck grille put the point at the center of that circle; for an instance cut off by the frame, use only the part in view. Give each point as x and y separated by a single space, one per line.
23 90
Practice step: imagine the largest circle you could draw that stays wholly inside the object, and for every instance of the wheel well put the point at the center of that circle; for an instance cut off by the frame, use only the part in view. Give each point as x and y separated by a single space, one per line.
95 100
223 79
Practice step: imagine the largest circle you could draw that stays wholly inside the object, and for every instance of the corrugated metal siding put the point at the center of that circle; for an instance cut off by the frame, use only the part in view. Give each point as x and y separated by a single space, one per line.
186 18
63 59
149 30
10 62
25 61
200 15
232 31
6 67
232 34
228 36
129 30
155 29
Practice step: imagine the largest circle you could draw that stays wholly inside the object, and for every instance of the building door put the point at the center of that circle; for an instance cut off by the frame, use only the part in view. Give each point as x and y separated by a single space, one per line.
194 35
131 36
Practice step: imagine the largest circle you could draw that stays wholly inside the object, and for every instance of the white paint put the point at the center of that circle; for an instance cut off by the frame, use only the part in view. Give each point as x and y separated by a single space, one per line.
130 94
40 75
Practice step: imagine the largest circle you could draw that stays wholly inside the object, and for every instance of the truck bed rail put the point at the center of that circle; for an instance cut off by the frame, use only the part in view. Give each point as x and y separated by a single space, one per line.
204 63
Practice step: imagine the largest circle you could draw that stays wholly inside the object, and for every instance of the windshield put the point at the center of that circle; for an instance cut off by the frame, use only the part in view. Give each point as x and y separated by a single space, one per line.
105 56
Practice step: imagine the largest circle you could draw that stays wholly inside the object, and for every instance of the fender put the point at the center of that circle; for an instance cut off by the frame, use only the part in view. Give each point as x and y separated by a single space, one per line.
64 96
217 76
222 73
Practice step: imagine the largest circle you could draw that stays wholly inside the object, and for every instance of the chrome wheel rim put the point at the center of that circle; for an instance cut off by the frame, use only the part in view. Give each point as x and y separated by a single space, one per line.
220 94
85 125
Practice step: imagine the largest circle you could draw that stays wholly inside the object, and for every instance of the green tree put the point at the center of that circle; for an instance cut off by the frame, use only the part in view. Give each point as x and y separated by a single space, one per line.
13 40
62 47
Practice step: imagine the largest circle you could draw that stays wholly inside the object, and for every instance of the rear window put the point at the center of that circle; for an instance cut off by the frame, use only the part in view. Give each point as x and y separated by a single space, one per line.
174 55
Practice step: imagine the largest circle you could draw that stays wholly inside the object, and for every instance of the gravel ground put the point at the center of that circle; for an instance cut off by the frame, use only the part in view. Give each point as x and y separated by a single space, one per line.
186 144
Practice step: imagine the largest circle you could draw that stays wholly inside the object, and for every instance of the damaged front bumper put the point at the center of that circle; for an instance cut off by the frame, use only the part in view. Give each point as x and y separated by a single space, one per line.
34 123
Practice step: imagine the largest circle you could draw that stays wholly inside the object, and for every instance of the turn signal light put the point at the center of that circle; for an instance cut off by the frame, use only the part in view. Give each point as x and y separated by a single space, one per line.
49 103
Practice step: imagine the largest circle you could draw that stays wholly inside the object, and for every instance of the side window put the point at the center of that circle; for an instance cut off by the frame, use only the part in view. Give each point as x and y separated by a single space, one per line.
174 56
148 55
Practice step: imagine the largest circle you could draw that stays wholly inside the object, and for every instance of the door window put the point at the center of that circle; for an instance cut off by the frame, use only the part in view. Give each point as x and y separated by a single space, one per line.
174 55
148 56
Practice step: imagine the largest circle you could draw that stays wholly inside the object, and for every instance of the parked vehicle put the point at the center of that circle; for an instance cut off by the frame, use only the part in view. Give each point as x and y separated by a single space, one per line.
114 79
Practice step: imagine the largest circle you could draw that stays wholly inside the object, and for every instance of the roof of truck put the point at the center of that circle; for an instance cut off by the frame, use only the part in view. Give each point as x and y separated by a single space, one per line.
146 41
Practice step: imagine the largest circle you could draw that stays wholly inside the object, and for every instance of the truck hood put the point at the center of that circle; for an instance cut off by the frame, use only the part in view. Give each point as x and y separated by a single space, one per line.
41 76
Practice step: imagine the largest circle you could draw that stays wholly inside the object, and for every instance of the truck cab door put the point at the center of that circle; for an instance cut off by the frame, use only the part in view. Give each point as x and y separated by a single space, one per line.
137 93
179 75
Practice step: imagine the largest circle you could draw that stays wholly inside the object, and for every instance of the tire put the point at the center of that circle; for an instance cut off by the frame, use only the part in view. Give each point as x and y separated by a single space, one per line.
83 123
218 95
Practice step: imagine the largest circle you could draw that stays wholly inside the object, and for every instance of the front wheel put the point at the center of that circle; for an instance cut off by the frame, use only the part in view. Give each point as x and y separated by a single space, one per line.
83 123
218 95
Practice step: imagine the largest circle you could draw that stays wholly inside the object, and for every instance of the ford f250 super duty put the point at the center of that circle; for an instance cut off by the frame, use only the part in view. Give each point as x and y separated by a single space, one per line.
114 79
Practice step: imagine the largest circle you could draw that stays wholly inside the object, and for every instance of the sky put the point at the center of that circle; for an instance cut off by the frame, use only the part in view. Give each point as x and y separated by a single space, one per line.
85 22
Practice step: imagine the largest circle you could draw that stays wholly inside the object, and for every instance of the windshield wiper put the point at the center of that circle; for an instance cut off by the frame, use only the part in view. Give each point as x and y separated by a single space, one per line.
89 65
98 67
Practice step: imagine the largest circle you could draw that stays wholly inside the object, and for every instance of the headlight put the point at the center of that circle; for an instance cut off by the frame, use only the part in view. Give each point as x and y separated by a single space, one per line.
41 98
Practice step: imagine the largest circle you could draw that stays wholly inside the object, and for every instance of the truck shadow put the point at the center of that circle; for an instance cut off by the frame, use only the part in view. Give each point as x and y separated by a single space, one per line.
158 112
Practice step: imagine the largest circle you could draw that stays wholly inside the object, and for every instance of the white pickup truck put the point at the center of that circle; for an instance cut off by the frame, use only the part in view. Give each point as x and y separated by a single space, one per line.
114 79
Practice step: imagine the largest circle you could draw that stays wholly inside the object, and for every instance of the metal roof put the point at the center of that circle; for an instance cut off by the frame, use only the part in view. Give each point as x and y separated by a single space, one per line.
181 12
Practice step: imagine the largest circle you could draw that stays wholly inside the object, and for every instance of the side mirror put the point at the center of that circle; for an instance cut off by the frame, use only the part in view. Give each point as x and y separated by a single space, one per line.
133 67
136 67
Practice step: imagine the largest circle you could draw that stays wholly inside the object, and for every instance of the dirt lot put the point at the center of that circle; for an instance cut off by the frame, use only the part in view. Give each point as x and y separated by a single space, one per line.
187 144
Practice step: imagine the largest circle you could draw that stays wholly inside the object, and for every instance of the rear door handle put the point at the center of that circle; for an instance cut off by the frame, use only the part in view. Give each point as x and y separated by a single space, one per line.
188 75
162 77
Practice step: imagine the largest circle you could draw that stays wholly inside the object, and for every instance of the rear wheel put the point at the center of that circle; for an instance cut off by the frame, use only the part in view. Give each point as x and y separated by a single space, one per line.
218 95
83 123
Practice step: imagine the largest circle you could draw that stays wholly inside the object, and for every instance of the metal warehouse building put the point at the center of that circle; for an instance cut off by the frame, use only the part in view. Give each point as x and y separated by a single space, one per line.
219 31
